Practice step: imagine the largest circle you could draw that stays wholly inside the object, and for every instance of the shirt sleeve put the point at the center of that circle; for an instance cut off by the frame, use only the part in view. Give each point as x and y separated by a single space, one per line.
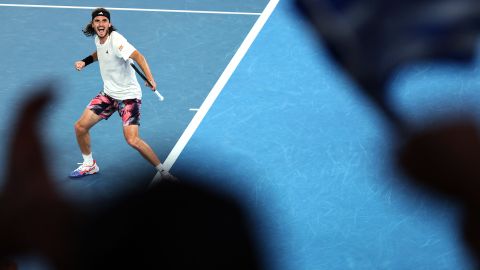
121 46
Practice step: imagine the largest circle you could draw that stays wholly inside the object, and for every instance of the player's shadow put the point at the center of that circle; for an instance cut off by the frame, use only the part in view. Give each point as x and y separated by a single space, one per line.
171 225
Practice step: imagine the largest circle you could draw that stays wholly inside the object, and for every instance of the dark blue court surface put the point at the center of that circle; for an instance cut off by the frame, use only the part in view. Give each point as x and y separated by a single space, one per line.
289 134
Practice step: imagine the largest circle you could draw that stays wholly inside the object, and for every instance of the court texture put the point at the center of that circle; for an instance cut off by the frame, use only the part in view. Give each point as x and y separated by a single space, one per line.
255 105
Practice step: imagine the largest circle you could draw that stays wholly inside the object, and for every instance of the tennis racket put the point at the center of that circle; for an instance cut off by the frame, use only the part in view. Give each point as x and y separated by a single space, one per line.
160 97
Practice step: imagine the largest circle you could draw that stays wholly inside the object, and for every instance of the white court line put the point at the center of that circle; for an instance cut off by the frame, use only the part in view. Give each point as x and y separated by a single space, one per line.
193 109
217 88
135 9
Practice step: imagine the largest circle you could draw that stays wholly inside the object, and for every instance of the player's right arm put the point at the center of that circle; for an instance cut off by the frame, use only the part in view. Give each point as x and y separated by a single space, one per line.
79 65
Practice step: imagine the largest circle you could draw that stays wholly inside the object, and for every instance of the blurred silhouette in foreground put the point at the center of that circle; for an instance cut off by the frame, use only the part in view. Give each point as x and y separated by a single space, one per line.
171 225
370 40
445 159
7 264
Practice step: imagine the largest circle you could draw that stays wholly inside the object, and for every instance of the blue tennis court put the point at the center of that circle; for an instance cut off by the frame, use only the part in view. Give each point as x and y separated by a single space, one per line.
269 118
194 45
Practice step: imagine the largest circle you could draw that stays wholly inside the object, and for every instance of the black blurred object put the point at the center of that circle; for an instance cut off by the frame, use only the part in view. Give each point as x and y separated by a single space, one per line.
370 39
445 159
172 225
33 217
7 264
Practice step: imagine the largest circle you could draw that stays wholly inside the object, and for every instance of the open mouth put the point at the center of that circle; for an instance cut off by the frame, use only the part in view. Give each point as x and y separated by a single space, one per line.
101 31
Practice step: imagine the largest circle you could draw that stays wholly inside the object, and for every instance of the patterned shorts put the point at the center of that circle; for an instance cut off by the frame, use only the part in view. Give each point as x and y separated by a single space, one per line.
104 106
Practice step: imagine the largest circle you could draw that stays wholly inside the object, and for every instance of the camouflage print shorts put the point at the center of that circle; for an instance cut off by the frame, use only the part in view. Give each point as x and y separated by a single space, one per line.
104 106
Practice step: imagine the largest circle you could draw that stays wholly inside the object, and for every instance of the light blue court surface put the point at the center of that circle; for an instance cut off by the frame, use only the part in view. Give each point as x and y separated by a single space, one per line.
289 134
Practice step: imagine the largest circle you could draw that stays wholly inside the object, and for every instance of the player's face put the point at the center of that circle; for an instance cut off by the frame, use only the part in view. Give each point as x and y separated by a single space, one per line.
101 24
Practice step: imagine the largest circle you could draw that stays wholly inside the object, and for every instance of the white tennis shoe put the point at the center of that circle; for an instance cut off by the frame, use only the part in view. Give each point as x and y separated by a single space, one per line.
85 170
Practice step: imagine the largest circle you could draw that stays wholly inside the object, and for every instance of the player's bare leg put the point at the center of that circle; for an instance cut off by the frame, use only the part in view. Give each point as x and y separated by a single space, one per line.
133 139
82 128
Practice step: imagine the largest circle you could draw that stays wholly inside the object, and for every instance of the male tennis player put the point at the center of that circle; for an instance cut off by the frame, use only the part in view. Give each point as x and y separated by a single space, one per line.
121 92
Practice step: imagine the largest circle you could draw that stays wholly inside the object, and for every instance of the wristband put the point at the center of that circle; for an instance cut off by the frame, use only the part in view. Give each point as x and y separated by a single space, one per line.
88 60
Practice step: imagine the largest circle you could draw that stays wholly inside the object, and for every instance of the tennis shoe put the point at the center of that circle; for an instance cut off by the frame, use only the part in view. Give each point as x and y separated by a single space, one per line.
85 170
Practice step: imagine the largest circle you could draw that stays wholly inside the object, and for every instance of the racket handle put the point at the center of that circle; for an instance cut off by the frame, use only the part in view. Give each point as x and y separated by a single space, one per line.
159 95
145 79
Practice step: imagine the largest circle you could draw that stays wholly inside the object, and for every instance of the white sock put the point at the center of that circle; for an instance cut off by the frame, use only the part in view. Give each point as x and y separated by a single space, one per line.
87 159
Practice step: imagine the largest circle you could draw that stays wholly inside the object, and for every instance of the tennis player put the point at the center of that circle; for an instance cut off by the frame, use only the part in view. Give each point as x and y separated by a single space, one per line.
121 92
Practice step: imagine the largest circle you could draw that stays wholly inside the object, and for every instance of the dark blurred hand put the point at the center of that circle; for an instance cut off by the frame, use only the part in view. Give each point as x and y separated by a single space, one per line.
445 158
33 217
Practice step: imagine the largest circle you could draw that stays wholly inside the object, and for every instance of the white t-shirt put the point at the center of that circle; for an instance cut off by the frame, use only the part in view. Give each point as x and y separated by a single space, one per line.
119 79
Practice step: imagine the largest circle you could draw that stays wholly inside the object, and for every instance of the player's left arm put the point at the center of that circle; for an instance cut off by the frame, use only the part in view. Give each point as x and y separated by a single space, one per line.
142 62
